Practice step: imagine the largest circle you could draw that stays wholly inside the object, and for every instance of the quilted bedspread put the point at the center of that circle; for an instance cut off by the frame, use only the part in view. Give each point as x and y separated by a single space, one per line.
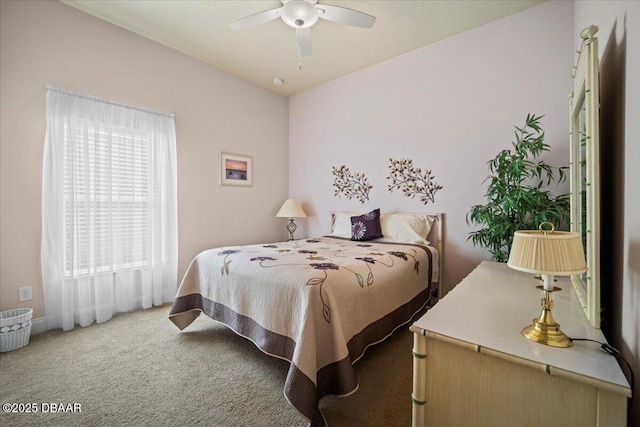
317 303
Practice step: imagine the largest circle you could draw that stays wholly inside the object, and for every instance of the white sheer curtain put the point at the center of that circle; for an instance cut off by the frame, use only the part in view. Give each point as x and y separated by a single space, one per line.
109 210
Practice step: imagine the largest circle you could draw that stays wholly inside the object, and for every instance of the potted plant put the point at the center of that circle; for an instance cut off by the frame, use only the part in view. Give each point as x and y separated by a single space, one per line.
517 195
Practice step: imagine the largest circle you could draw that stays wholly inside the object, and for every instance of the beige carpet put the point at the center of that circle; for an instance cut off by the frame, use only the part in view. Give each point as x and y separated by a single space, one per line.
139 369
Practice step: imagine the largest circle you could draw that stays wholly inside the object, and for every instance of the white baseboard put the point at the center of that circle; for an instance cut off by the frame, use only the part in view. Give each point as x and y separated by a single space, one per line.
38 325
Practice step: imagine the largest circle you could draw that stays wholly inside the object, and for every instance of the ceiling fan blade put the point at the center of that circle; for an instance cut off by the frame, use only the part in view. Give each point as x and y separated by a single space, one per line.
303 35
342 15
256 19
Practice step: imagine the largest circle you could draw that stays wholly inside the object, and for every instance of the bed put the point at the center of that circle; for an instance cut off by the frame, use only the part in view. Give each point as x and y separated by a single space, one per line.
319 302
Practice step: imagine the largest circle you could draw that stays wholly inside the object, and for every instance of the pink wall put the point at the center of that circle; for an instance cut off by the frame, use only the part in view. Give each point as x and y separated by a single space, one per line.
47 42
450 107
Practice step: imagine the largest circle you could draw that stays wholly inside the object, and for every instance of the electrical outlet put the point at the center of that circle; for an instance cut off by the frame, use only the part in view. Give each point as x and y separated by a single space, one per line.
25 293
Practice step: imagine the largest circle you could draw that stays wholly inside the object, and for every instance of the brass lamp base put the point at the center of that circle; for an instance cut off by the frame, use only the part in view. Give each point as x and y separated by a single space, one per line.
547 334
544 329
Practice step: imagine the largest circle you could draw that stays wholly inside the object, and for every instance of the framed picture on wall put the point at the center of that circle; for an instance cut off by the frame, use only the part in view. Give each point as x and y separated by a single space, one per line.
235 170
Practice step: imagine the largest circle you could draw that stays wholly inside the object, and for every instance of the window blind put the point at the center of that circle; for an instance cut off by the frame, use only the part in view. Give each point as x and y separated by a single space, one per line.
106 219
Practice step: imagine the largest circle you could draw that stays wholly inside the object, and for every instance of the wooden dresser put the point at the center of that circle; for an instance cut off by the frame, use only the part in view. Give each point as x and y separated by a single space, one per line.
472 367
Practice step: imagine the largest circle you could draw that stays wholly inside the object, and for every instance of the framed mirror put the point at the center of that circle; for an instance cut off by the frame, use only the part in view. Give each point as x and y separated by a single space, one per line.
585 170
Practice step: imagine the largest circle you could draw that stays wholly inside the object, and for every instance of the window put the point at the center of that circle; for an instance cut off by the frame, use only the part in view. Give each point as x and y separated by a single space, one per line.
105 216
109 209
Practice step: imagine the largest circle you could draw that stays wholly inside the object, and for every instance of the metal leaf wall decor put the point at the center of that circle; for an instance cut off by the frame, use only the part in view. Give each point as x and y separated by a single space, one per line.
412 181
351 185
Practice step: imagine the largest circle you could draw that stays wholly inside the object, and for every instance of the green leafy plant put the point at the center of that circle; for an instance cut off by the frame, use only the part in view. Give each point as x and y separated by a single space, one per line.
517 195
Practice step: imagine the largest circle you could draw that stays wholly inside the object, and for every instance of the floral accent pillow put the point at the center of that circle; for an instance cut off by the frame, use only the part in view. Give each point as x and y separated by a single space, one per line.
366 226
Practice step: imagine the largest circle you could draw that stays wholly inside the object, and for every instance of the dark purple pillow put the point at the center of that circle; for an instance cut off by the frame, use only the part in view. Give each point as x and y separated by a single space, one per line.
366 226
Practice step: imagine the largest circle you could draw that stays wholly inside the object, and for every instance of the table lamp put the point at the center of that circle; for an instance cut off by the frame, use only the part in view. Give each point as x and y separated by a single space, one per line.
549 253
291 209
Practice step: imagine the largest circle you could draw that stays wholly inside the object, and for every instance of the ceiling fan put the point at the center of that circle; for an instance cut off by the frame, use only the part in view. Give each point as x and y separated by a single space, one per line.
302 14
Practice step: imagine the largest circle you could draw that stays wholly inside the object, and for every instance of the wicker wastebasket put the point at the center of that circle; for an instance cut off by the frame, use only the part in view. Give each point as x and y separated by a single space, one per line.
15 328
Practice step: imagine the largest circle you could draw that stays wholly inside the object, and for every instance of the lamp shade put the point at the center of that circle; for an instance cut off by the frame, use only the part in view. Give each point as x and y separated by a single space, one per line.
291 209
556 253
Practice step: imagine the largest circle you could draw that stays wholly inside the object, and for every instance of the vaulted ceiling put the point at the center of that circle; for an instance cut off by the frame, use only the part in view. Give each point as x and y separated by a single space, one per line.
200 28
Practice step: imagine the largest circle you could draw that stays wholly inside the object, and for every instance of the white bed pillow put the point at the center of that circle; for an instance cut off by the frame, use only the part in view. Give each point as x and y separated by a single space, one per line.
405 228
341 226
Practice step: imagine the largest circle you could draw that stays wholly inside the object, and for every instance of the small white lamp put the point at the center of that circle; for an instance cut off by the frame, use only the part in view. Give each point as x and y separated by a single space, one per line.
291 209
549 253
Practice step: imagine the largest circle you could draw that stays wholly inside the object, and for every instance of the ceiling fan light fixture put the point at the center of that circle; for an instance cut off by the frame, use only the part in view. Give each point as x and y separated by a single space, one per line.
299 14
